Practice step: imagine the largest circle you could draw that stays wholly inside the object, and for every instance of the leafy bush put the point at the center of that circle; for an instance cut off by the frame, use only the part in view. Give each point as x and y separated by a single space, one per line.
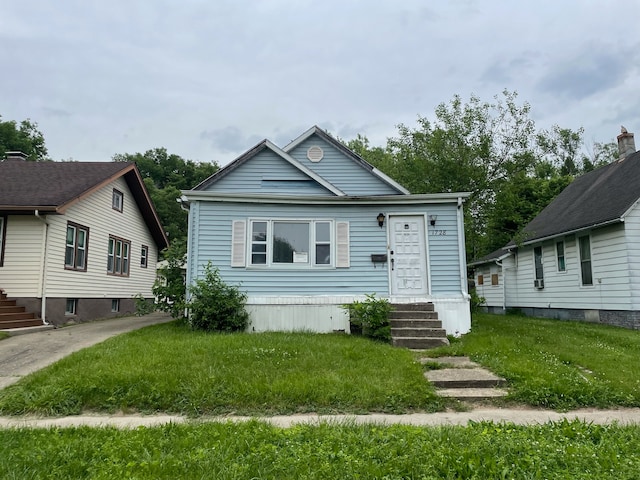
169 289
216 306
371 317
476 301
144 306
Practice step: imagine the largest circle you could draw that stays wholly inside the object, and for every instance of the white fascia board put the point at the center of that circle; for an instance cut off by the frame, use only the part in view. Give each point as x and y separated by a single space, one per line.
628 211
310 173
297 141
491 260
429 198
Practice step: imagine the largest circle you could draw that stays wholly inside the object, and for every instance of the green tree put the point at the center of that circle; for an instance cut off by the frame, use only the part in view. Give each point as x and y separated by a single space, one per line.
492 150
23 137
164 176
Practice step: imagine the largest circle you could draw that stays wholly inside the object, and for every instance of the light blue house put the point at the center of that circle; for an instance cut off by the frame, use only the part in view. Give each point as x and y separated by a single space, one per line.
309 227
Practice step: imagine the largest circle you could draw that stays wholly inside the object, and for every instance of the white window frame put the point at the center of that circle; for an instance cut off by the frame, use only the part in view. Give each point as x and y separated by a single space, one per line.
117 200
122 268
584 260
71 307
144 256
73 265
563 256
311 263
535 268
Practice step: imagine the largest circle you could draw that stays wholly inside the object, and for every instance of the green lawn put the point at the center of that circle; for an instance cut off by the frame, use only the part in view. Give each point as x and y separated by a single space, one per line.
562 450
3 335
170 368
556 364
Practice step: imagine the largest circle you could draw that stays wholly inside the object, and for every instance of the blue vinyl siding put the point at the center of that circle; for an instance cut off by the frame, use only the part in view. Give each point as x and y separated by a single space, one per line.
211 236
340 170
269 174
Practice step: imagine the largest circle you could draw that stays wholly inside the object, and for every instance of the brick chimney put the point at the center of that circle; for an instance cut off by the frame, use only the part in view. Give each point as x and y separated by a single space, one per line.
15 156
626 144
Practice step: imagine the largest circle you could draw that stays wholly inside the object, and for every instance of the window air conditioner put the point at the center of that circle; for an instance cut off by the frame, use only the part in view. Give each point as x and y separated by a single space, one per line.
538 283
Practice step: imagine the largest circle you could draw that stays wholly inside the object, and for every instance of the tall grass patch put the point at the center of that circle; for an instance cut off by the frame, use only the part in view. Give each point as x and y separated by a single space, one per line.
170 368
557 364
256 450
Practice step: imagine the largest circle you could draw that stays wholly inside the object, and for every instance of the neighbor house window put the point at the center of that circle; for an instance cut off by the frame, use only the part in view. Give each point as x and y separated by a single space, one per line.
537 258
117 199
291 242
115 305
75 256
144 255
3 222
480 279
585 261
118 256
494 279
560 255
71 307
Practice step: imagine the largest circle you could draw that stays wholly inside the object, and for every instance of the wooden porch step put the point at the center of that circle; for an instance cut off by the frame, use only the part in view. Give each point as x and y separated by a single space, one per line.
27 322
412 314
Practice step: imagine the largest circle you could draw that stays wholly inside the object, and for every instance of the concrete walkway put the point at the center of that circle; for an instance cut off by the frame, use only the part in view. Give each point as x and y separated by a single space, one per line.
515 416
24 354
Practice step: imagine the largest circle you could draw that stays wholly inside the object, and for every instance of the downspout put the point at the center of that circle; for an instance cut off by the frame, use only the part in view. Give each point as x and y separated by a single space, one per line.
504 286
43 269
461 252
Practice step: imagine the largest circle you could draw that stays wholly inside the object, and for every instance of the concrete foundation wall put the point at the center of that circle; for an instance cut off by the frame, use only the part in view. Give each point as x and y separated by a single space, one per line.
88 309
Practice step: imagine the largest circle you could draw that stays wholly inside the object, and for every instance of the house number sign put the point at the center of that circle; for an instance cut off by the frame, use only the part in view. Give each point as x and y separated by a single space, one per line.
437 232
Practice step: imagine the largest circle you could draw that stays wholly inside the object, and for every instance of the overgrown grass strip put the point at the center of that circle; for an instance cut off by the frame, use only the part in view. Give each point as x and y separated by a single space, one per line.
572 450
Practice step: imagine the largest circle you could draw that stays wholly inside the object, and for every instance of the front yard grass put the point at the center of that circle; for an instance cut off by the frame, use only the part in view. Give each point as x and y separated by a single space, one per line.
556 364
170 368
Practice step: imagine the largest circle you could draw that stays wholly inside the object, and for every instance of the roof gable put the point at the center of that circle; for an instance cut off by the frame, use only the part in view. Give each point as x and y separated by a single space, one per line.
596 198
366 173
52 187
287 164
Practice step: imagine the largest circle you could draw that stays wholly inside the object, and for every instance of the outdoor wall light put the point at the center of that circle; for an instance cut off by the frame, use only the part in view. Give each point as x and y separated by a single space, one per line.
432 220
380 219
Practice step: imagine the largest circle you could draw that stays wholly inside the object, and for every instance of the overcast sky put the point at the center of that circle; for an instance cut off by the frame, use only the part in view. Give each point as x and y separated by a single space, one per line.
209 79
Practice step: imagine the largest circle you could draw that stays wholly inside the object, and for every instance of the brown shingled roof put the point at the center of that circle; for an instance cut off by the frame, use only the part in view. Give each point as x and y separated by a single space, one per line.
27 186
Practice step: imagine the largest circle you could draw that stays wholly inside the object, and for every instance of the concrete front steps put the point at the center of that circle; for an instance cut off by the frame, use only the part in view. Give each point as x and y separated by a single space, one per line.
13 316
464 380
416 326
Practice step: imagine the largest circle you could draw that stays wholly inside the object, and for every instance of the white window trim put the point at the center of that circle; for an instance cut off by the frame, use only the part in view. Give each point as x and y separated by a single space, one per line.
144 256
117 200
535 273
582 284
564 255
311 264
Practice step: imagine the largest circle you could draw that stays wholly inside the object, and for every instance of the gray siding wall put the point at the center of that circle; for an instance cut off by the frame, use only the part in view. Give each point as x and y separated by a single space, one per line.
269 174
211 241
340 170
563 290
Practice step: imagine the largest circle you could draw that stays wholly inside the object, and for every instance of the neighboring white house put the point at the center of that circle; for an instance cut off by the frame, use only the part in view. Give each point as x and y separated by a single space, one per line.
78 240
580 257
312 226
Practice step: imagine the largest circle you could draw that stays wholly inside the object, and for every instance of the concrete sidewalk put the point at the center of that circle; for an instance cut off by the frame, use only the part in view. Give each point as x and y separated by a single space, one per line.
24 354
498 415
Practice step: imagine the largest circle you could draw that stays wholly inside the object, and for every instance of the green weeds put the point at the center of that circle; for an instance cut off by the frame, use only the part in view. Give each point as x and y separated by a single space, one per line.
256 450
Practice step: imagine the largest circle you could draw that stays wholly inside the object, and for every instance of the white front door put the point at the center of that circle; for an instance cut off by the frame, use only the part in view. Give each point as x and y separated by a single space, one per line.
407 255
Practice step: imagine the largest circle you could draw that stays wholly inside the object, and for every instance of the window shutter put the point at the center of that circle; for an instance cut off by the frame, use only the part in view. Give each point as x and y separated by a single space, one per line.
238 239
342 245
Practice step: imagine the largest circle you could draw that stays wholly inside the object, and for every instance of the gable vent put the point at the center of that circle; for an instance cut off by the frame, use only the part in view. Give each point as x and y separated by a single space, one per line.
315 153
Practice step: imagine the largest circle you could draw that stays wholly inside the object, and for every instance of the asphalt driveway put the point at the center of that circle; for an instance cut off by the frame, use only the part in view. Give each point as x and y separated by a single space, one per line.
24 354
